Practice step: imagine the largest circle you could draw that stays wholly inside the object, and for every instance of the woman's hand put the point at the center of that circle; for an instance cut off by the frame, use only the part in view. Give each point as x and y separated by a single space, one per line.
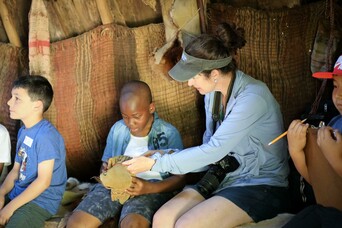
139 164
139 187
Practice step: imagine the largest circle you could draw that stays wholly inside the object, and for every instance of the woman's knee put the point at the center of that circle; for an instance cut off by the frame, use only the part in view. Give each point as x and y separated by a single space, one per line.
165 217
185 221
160 217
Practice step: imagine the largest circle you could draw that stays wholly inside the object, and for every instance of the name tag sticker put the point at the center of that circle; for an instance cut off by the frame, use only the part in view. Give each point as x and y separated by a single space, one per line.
28 141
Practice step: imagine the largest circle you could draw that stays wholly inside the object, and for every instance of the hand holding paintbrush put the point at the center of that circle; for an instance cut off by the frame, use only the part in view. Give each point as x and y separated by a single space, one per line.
282 135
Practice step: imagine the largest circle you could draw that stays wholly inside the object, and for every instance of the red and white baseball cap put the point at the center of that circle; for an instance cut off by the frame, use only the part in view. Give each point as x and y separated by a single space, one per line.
337 71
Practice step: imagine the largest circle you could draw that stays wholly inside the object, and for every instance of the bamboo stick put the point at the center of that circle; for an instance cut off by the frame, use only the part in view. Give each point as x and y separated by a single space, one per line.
12 33
106 16
203 23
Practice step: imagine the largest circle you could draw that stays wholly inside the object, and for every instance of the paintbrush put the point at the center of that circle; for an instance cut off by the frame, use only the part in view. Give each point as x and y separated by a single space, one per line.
282 135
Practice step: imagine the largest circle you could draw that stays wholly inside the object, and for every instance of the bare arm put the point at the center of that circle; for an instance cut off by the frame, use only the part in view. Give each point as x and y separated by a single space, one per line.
331 148
8 183
296 137
39 185
140 186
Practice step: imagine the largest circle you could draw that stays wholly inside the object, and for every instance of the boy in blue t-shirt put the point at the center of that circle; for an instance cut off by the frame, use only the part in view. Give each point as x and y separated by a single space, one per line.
33 189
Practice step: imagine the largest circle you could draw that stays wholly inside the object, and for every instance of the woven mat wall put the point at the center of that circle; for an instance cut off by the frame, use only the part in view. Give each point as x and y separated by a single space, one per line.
88 72
278 50
9 58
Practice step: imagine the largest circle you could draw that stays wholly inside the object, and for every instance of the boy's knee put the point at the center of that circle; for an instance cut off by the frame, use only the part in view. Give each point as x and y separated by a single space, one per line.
80 219
134 221
72 221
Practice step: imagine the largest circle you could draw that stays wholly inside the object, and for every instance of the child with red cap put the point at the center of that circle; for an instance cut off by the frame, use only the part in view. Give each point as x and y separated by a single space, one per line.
323 168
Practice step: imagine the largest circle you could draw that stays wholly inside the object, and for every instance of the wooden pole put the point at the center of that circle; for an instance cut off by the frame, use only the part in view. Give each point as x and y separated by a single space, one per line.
202 16
12 33
104 11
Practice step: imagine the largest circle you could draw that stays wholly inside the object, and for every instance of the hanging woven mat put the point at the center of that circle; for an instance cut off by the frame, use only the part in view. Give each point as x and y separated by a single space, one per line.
277 50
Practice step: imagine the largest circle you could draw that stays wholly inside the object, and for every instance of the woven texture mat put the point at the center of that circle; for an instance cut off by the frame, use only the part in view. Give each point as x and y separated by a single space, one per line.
9 56
278 50
88 72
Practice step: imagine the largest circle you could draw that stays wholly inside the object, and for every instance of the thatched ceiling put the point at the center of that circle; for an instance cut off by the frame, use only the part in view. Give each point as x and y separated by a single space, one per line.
69 18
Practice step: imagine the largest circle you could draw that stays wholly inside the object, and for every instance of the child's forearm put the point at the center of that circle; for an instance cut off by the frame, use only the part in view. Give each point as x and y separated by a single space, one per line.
40 184
30 193
330 142
299 161
335 160
170 184
8 183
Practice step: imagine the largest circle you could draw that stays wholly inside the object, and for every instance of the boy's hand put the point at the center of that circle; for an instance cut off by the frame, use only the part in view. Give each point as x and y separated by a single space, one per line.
149 153
5 214
296 136
328 138
117 159
111 162
139 187
104 167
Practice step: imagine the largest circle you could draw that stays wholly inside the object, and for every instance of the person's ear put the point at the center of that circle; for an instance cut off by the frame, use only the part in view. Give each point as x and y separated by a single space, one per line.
152 108
38 105
214 74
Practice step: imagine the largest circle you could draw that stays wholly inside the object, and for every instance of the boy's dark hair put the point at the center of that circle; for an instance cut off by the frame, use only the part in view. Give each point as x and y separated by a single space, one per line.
137 86
38 88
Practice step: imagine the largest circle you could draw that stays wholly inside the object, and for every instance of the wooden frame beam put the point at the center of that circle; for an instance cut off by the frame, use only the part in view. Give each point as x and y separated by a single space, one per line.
12 33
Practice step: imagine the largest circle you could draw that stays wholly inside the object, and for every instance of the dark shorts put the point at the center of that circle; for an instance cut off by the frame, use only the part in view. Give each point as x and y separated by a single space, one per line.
260 202
316 216
98 203
29 215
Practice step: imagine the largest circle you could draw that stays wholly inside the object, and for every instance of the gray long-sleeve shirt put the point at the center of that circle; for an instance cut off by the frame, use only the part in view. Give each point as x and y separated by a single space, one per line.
252 119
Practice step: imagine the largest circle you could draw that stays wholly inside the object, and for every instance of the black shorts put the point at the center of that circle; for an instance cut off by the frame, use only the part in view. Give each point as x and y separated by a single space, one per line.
260 202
